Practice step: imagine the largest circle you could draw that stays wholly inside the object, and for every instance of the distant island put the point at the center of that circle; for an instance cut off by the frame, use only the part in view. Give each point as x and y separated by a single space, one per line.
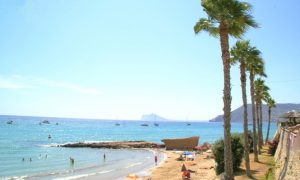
237 114
153 117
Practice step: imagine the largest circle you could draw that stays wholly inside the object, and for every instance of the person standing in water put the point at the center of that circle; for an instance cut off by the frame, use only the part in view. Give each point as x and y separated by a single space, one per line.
155 159
104 156
72 161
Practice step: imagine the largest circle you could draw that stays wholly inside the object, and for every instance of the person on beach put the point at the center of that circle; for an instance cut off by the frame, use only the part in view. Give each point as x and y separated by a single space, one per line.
72 161
23 159
104 156
155 159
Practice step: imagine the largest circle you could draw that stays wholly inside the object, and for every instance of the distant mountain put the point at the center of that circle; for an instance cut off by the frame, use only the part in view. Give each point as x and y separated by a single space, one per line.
237 114
153 117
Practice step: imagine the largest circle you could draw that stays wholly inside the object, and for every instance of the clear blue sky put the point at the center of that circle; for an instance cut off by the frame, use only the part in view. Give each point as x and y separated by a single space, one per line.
122 59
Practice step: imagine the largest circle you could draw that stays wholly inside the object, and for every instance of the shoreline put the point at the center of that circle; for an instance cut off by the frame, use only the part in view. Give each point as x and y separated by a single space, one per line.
112 170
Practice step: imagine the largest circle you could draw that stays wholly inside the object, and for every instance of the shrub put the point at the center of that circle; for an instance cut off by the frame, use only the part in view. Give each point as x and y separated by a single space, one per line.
237 153
250 139
272 147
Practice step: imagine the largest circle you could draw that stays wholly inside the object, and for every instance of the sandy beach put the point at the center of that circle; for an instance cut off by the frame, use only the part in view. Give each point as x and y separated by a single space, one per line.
170 168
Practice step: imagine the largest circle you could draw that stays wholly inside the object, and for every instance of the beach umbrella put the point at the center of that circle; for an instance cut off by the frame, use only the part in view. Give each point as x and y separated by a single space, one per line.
187 153
290 115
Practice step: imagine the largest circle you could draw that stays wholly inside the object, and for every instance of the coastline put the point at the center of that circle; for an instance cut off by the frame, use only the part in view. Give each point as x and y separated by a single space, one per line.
142 162
31 141
141 172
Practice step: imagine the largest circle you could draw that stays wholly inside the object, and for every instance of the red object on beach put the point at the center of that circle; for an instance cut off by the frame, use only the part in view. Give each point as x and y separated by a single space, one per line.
186 174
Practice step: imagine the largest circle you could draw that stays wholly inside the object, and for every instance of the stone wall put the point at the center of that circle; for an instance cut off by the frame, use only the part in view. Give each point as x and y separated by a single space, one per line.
287 156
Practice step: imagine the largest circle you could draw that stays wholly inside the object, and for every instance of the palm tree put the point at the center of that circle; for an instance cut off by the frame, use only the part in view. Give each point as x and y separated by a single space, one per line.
261 91
240 53
255 66
226 17
270 103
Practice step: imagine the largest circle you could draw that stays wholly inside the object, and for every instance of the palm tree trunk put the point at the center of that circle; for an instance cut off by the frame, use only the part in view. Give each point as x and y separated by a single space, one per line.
261 140
269 120
244 96
251 77
227 102
258 126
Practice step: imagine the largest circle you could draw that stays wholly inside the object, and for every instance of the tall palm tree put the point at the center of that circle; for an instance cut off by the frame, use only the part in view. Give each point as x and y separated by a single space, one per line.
261 91
226 17
255 66
240 53
270 103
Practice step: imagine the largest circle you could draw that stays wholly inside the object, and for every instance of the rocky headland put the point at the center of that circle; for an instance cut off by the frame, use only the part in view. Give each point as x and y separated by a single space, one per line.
114 145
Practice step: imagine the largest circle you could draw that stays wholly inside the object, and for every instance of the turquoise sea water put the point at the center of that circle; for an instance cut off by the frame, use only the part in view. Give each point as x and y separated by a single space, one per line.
26 138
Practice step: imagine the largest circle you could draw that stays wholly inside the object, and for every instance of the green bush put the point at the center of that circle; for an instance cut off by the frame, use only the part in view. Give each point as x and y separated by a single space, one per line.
250 139
237 153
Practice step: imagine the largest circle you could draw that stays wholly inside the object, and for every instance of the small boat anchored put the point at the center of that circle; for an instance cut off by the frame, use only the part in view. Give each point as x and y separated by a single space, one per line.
9 122
46 122
156 124
144 124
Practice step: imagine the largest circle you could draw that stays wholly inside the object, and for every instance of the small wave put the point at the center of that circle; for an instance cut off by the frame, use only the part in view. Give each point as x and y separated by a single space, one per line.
132 165
15 178
49 145
103 172
83 175
96 141
87 142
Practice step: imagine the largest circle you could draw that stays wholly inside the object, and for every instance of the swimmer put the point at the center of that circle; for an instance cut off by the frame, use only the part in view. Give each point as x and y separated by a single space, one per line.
155 159
72 161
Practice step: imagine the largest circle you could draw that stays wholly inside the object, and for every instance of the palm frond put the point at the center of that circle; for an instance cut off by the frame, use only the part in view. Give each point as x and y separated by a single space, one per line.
206 25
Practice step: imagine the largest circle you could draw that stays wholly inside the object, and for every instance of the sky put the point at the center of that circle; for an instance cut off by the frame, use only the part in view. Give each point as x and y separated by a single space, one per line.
123 59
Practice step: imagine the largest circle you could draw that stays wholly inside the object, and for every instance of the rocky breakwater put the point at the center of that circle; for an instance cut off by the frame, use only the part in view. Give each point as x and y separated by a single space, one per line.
114 145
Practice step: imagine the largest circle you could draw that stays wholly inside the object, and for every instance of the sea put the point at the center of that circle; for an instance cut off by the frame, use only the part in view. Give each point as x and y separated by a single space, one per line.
27 152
